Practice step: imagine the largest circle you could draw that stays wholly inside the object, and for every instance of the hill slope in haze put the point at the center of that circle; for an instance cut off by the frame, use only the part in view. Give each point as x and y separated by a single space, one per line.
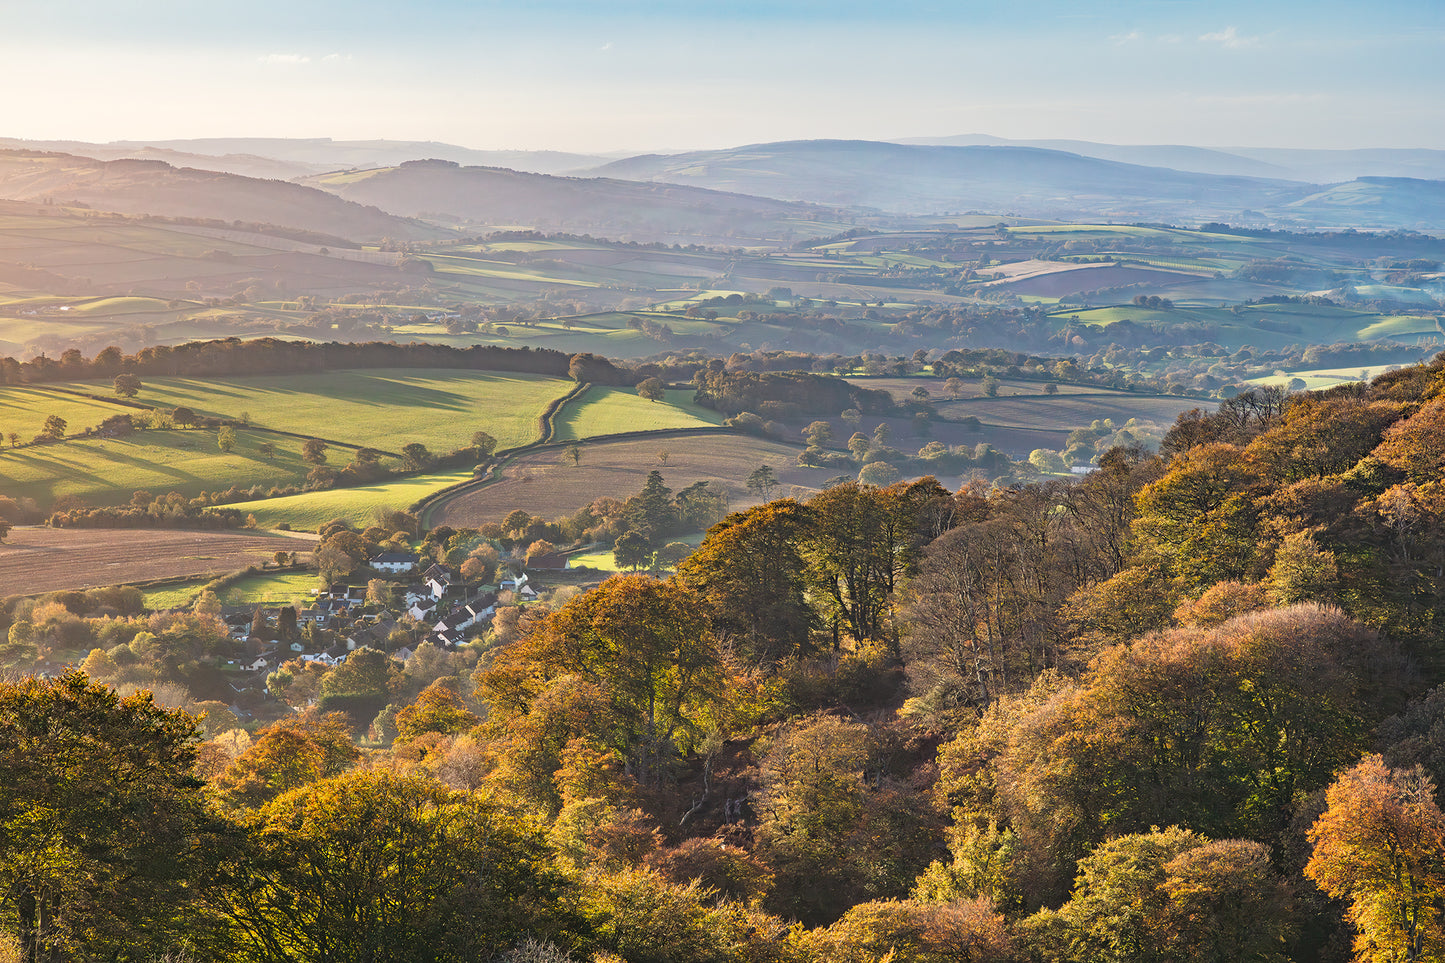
486 197
918 179
154 187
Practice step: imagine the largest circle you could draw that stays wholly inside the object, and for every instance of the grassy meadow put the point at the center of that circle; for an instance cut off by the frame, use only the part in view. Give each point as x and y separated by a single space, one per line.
607 411
107 471
380 409
308 511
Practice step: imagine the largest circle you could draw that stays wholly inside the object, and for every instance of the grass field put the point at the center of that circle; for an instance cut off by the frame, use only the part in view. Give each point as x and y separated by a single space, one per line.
310 510
381 409
108 471
542 485
35 560
24 410
605 411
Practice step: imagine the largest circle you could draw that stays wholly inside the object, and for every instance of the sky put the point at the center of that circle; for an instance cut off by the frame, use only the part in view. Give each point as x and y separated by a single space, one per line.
638 75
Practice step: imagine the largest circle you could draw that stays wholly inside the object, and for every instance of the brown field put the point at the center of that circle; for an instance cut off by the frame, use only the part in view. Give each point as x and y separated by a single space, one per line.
1072 411
902 388
541 484
1070 280
36 559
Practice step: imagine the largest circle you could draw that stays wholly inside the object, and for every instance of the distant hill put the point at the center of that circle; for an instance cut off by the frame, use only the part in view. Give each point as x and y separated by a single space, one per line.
487 197
903 178
311 155
1318 166
1375 202
247 165
1179 157
155 187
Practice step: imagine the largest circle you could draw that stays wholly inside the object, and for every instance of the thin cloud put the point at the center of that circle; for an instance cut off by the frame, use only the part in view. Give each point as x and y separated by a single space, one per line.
285 60
1248 99
336 58
1230 39
1120 39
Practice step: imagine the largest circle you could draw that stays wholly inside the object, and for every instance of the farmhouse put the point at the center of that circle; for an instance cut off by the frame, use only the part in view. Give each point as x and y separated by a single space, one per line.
393 562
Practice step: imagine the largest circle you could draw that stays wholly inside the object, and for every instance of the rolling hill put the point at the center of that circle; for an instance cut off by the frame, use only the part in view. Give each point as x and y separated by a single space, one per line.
903 178
488 197
155 187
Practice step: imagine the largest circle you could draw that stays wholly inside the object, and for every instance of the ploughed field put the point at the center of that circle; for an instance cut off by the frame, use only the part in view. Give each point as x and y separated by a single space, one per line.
36 559
546 483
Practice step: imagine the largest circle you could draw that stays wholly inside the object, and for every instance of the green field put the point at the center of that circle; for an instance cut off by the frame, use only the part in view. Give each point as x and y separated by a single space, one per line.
381 409
310 510
107 471
274 588
607 411
176 596
24 410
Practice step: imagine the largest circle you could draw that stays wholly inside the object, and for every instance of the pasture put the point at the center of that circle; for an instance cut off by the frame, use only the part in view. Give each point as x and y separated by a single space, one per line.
107 471
602 410
311 510
35 560
382 409
24 410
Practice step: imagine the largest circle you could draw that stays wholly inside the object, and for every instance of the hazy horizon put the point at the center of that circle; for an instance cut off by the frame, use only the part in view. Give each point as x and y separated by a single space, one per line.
609 76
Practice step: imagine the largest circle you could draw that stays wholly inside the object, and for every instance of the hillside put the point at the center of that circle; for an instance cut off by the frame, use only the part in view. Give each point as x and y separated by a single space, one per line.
1317 166
155 187
921 179
494 197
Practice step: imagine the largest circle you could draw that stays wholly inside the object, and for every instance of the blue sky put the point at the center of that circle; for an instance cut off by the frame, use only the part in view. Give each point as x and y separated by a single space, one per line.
614 75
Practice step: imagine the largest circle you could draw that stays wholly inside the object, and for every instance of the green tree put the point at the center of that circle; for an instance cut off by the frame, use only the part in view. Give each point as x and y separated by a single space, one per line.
484 444
104 830
54 427
818 434
183 416
990 385
762 481
126 385
414 456
390 869
632 550
226 438
1170 896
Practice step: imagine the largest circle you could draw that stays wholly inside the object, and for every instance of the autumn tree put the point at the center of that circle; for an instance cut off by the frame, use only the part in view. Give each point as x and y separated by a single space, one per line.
380 867
1381 845
646 643
749 570
652 389
439 708
104 831
313 451
1169 896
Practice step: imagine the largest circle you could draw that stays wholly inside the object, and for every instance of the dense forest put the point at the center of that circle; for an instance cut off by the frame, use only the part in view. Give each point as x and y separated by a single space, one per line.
1187 708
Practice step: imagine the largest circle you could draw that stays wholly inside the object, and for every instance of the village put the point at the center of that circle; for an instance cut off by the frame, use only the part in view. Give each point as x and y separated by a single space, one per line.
403 607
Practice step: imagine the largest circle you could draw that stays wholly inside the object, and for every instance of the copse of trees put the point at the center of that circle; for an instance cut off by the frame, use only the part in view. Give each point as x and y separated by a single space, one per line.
234 356
1180 709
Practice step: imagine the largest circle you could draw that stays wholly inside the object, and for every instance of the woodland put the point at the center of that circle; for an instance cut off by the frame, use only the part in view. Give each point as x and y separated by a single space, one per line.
1187 708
